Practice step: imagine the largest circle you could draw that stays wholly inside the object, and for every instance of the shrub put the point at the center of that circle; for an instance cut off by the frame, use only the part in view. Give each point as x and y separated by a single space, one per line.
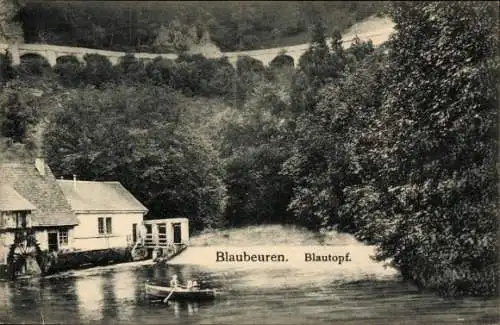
98 70
282 60
69 71
131 69
206 77
33 65
6 69
164 72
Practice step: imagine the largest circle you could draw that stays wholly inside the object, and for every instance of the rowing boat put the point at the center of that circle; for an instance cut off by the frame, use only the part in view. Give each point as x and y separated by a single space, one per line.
179 293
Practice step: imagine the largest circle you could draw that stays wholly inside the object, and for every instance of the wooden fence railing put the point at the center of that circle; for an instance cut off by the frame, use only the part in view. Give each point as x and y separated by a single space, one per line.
159 240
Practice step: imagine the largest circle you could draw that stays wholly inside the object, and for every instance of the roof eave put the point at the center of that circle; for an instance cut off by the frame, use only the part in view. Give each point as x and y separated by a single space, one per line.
110 211
58 225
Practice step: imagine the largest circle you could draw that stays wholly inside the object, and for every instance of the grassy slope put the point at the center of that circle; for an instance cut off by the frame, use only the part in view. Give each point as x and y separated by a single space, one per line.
271 235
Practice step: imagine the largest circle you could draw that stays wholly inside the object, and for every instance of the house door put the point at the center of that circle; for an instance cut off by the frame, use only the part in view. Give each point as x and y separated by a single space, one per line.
162 234
134 232
177 233
148 239
53 242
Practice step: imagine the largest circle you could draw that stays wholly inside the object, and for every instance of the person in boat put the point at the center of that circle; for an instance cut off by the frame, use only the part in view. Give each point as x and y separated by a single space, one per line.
174 283
192 285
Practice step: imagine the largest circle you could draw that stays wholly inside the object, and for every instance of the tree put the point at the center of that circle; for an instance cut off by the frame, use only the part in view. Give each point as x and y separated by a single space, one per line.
69 71
10 29
438 185
131 70
135 135
6 69
358 51
318 66
206 77
332 145
17 117
165 72
249 73
176 37
254 145
98 70
34 66
324 97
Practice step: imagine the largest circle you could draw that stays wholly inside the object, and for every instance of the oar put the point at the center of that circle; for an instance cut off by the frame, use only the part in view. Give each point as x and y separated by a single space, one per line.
171 292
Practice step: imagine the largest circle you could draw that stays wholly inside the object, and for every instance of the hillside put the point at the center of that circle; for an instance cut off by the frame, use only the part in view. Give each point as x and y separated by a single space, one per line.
154 26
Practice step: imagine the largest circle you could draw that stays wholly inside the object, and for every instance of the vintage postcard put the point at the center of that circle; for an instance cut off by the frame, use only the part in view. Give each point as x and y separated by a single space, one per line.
249 162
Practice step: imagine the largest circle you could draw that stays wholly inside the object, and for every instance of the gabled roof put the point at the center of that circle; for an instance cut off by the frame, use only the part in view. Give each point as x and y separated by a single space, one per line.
92 196
10 200
52 208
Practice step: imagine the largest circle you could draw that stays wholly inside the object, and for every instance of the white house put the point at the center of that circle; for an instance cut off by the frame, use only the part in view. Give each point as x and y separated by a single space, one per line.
109 216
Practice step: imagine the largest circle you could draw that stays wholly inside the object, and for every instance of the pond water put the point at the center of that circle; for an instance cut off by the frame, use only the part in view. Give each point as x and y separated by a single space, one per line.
263 295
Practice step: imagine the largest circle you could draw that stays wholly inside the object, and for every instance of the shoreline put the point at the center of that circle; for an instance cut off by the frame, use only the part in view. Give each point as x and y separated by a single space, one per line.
279 245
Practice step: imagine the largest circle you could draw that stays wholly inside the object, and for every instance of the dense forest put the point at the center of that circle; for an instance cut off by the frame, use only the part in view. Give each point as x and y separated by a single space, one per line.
174 26
396 144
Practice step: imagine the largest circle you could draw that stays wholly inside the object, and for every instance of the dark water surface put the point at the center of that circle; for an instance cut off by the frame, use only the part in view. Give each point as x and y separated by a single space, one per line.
115 295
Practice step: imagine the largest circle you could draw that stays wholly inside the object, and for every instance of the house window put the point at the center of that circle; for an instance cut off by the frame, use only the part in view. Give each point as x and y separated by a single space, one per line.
63 238
100 225
21 220
53 241
104 225
108 226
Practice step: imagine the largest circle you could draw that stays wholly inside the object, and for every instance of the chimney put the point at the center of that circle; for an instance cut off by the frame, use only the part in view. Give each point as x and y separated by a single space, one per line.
74 182
40 166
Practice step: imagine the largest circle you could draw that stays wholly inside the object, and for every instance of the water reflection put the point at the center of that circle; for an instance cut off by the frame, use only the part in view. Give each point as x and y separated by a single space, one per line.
7 292
109 304
90 297
127 288
125 285
189 307
26 299
160 273
254 296
59 299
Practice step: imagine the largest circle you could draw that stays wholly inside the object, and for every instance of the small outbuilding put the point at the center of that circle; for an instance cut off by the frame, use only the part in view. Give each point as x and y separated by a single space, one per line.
166 232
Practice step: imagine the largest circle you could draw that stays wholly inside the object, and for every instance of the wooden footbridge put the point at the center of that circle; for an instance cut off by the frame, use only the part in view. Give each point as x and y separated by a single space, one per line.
163 238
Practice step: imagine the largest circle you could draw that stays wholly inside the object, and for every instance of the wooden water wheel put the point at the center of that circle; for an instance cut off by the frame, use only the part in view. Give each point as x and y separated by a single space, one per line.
23 254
